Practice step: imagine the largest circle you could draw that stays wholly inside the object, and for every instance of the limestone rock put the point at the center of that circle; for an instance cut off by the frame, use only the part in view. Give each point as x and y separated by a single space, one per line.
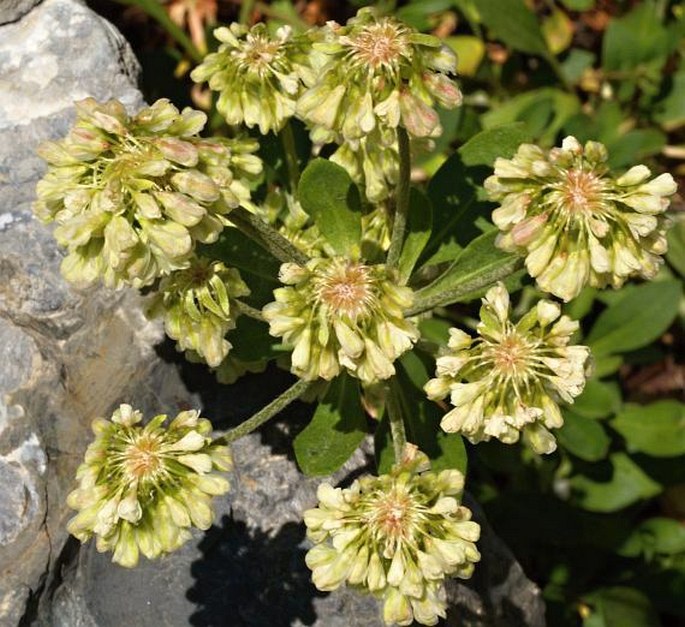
66 357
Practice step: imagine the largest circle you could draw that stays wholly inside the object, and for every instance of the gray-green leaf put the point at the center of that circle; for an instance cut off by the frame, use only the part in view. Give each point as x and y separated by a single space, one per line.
657 429
335 432
328 194
637 319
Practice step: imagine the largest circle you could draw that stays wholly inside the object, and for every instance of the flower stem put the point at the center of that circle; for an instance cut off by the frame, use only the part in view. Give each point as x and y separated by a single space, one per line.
402 202
266 236
399 436
263 415
288 140
248 311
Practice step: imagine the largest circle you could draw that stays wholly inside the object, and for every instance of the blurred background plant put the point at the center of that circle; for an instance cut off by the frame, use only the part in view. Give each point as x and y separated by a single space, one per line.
599 524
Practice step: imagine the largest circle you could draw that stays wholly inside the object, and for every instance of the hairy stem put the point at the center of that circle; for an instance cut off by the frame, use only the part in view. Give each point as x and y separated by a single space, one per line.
266 236
288 140
248 311
399 436
402 202
430 297
265 414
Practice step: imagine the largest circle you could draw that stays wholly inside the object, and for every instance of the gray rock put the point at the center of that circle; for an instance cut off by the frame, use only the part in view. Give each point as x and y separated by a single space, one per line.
12 10
66 357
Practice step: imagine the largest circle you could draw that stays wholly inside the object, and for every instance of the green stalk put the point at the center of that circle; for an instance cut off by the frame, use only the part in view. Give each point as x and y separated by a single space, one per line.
399 226
246 8
265 414
248 311
266 236
399 435
288 140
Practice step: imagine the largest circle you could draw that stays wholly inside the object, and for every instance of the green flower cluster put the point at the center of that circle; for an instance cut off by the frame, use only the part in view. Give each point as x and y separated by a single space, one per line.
378 73
510 380
576 222
258 77
196 306
397 536
132 195
338 313
141 488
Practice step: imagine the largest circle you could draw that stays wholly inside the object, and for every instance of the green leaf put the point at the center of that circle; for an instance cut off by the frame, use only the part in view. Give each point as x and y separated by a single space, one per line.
662 536
676 247
613 485
453 192
419 223
598 400
557 30
335 432
470 52
459 211
583 437
251 340
578 5
258 268
328 194
477 268
514 24
635 145
657 429
544 111
498 141
620 607
649 41
670 112
637 319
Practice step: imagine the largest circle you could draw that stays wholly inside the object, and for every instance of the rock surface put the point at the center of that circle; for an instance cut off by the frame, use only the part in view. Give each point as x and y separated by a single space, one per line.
66 357
69 356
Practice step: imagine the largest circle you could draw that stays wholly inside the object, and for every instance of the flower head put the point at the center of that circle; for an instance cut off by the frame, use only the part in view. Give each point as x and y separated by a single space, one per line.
132 195
258 76
511 378
196 306
141 488
575 221
338 313
378 71
397 536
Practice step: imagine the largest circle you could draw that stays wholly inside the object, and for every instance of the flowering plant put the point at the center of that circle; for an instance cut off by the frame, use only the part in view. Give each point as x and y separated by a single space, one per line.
366 300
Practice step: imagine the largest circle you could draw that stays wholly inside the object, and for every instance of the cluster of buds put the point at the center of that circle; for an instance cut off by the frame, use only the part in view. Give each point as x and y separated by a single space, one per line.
397 536
195 304
258 77
508 381
576 223
378 72
141 488
338 313
353 85
132 195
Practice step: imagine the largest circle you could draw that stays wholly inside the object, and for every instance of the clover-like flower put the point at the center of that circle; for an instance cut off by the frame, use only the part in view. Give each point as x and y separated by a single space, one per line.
338 313
196 306
397 536
379 71
141 488
576 222
510 379
258 77
132 195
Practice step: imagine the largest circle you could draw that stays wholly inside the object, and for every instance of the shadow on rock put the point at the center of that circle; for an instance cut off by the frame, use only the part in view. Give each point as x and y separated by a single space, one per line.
247 578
